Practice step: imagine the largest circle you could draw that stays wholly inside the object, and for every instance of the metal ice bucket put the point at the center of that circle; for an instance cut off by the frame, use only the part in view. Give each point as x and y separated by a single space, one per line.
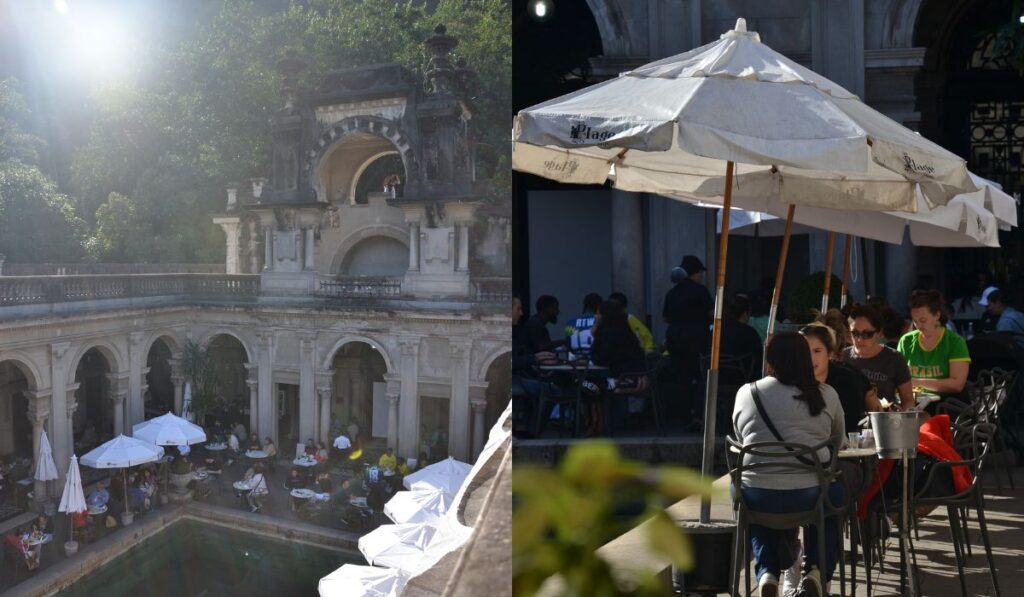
895 432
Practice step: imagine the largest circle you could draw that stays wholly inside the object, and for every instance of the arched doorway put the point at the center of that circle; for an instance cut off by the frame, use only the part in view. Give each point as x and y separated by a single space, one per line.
382 168
15 428
159 397
229 359
358 394
356 165
970 99
93 421
499 390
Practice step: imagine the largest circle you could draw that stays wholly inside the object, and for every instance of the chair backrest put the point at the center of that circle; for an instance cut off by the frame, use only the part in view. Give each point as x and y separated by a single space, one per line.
781 458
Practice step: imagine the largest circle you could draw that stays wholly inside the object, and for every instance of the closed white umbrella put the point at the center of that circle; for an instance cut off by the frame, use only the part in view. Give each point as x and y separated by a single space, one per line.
186 403
411 548
73 498
422 504
123 452
446 475
46 469
169 430
367 581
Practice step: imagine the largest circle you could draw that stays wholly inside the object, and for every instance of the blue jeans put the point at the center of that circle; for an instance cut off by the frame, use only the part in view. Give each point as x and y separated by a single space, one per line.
766 542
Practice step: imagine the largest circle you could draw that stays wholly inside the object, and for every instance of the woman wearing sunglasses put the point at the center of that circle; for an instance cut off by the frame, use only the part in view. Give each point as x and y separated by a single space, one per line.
882 365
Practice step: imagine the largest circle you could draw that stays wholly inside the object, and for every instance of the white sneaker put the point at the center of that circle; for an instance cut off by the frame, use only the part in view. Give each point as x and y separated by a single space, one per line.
768 585
791 577
810 586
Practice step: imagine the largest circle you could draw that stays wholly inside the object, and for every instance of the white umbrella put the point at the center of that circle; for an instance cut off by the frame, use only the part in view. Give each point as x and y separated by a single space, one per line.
446 475
123 452
46 469
422 504
368 581
169 430
73 498
411 548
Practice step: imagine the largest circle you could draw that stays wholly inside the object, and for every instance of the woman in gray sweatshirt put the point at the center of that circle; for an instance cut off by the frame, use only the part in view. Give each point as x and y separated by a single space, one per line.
805 412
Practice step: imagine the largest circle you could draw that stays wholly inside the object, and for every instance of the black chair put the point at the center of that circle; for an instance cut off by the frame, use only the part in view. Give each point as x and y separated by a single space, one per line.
639 384
568 401
778 458
734 371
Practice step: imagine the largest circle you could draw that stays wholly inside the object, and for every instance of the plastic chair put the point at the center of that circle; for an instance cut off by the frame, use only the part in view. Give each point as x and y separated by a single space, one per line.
776 458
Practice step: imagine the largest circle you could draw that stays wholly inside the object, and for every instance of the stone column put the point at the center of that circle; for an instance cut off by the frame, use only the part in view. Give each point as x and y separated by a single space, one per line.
458 411
628 250
310 248
307 391
479 433
38 412
414 246
325 392
232 232
252 380
268 248
178 379
409 413
62 401
136 378
393 420
463 262
265 387
254 254
118 393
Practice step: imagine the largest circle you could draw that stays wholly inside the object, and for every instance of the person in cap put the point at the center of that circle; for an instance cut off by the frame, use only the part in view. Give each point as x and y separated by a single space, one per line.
688 312
1010 319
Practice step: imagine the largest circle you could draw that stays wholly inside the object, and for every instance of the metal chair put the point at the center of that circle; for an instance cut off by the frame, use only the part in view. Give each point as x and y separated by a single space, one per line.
776 458
578 373
646 386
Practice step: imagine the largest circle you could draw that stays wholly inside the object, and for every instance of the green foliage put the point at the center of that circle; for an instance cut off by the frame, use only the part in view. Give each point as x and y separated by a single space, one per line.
168 146
205 379
17 143
37 222
181 466
807 296
563 516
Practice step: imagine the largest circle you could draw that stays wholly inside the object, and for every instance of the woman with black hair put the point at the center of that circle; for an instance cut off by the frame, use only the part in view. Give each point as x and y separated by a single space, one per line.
617 348
802 411
851 385
938 357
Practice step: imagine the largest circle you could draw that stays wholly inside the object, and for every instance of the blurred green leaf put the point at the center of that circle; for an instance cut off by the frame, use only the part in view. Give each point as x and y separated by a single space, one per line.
667 539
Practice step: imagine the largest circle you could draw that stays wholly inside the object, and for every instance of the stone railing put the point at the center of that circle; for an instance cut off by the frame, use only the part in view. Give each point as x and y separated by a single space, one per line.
102 269
359 287
493 290
28 290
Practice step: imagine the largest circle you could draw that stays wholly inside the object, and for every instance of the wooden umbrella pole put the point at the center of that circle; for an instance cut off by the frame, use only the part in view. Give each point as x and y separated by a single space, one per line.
780 271
828 270
711 389
846 269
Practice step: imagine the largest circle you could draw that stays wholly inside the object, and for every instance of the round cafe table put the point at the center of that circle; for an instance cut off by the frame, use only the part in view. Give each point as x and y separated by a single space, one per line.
242 490
305 462
256 454
216 447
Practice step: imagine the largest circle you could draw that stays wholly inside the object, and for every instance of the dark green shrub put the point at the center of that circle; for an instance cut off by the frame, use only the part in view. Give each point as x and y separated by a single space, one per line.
807 296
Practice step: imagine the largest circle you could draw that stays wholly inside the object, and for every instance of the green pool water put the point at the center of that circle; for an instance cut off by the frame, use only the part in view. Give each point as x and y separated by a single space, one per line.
193 559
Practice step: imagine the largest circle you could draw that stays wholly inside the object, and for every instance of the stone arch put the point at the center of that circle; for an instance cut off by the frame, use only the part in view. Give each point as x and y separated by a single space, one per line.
170 337
362 168
329 359
206 338
106 348
376 126
490 358
349 242
619 34
900 22
26 365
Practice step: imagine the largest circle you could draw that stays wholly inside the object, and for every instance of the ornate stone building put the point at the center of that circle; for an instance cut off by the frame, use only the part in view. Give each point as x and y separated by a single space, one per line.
366 280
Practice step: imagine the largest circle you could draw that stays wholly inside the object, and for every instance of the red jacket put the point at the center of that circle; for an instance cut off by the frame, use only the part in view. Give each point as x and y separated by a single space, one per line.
935 440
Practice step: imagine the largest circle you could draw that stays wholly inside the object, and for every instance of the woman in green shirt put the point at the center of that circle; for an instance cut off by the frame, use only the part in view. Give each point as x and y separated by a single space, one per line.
938 357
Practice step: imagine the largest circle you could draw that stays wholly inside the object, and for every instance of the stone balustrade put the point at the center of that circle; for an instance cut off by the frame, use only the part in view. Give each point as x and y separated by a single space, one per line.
493 290
359 287
29 290
93 269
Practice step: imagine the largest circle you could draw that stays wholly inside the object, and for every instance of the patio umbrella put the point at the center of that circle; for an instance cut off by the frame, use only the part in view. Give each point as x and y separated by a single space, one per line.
46 470
169 430
446 475
411 548
735 106
368 581
422 504
123 452
186 403
73 498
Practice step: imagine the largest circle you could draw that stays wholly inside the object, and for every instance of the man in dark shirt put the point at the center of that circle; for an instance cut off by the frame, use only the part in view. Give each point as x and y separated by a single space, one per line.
741 341
687 310
537 337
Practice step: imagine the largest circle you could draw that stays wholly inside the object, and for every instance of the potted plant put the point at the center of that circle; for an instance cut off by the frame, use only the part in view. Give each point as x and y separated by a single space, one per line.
181 474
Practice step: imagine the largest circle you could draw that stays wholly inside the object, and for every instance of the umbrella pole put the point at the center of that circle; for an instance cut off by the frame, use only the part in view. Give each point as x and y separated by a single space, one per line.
828 271
779 272
846 269
124 473
711 390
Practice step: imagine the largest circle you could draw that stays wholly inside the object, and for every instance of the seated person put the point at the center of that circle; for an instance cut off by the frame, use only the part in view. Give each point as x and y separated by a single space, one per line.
98 497
643 334
422 461
270 448
387 461
311 448
323 483
254 443
20 545
42 525
249 474
617 348
233 442
578 331
259 488
213 465
321 453
341 500
137 500
294 480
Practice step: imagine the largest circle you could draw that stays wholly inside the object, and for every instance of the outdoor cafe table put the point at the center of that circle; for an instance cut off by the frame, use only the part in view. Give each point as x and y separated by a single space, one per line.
301 496
216 447
242 489
256 454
